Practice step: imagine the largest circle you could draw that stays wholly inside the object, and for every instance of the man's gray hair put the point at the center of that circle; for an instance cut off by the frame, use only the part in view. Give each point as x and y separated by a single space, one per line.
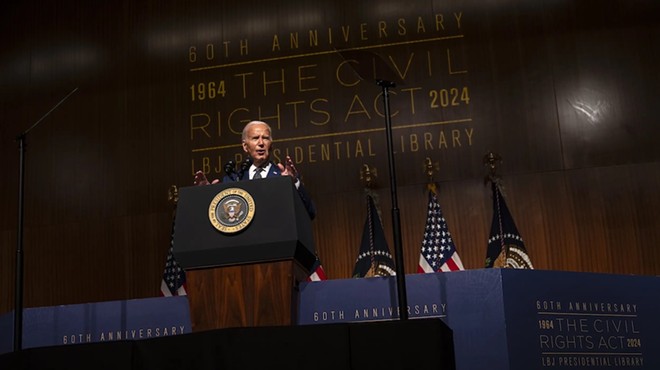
252 123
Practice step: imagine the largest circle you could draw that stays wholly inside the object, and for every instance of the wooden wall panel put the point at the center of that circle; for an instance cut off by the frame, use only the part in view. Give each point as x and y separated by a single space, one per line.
562 90
601 82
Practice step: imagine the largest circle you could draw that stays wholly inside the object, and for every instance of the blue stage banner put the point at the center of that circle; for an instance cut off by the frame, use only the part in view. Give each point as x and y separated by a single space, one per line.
512 319
98 322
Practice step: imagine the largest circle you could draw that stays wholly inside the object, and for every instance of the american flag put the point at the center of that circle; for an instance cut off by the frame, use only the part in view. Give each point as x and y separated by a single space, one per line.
318 274
174 277
505 245
438 252
374 258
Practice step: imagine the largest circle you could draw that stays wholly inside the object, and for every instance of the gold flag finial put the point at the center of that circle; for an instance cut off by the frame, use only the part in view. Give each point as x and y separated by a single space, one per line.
429 169
491 161
173 194
428 166
368 176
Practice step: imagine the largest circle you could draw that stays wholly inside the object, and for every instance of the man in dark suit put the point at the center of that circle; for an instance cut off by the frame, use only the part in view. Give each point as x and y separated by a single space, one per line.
257 142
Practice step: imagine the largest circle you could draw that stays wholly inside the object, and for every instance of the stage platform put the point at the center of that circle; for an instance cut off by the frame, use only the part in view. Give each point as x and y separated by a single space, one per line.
495 319
397 345
507 319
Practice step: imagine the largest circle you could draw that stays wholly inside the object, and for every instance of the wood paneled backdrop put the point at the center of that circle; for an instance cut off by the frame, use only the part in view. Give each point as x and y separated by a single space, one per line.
564 91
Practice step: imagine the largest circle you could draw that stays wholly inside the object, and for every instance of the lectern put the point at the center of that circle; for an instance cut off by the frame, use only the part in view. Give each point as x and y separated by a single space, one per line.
245 246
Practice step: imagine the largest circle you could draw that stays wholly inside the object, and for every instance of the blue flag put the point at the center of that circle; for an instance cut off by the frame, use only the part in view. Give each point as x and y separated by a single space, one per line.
505 245
374 258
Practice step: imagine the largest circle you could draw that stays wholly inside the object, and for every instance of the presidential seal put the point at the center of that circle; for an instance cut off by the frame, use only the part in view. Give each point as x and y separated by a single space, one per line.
513 256
231 210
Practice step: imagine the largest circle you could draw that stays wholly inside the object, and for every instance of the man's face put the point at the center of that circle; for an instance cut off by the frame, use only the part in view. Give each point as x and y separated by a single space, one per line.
257 143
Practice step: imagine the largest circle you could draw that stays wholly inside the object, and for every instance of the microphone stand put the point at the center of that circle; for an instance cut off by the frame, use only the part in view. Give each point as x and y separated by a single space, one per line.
396 221
245 165
230 170
18 293
371 67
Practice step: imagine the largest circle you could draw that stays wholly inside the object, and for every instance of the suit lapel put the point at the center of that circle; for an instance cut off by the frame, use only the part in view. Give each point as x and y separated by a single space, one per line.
272 171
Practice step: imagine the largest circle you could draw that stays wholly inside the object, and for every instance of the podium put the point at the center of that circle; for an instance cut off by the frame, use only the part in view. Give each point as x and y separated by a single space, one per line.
245 247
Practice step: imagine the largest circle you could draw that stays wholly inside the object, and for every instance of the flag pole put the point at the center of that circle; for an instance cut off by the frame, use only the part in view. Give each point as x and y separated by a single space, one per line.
492 160
368 176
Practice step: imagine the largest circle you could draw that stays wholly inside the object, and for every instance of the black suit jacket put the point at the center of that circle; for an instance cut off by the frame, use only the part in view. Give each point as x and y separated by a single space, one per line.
272 172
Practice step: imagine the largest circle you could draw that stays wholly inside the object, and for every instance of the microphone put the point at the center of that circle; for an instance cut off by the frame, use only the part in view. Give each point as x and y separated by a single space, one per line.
245 165
230 170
